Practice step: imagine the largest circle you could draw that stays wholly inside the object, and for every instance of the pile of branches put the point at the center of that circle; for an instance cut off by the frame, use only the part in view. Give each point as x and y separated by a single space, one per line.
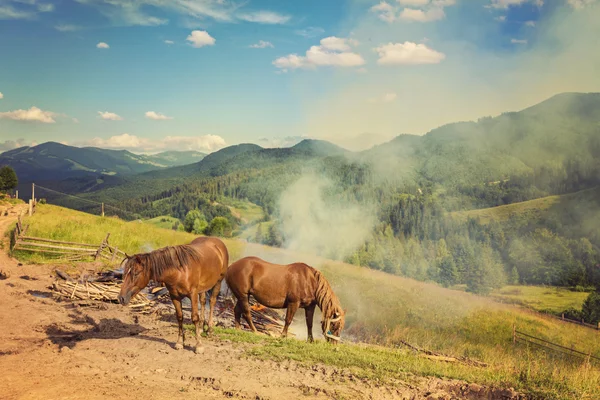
105 287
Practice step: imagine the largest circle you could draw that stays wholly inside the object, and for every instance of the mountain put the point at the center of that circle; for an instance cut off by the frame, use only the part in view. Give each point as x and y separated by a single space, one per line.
175 158
319 148
55 161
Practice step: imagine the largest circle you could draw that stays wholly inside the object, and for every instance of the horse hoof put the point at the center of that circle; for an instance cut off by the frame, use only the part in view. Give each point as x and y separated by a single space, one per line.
199 350
178 346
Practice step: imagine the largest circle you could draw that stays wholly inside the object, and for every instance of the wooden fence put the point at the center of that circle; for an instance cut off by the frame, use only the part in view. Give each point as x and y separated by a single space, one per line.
582 323
525 338
71 251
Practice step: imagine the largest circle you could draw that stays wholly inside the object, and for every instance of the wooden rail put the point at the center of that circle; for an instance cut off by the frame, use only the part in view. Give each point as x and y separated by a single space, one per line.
522 337
72 251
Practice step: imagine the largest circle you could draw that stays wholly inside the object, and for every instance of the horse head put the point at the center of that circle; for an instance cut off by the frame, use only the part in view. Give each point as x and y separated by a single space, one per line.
332 326
135 277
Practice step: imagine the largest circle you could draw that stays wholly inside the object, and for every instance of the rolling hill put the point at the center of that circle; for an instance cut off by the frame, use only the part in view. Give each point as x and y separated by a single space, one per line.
55 161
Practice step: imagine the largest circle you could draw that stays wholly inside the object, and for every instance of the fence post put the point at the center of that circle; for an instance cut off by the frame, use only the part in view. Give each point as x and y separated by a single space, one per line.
103 209
32 192
114 254
102 246
30 207
17 195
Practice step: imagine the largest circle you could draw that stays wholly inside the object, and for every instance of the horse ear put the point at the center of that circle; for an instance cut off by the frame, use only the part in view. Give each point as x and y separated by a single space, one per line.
127 256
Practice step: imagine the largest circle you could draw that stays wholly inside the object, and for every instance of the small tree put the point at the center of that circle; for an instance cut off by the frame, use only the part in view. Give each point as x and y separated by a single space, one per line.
591 308
514 276
219 226
259 237
8 179
200 225
190 219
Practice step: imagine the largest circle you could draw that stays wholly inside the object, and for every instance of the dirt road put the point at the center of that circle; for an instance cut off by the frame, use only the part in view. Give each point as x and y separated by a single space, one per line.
55 350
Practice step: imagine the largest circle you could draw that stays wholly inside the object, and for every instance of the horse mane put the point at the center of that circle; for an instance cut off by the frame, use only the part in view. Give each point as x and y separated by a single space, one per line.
170 257
327 300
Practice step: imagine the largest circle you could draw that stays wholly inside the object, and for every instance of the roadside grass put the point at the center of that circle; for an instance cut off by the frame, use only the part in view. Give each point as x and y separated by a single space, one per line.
384 310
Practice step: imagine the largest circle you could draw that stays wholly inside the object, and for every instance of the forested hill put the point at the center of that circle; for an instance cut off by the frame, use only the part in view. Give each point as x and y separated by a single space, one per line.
552 148
53 161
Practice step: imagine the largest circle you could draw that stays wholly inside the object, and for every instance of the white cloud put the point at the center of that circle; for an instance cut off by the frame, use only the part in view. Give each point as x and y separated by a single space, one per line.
505 4
579 4
518 41
332 51
156 116
48 7
530 24
9 12
67 28
1 95
385 10
413 2
265 17
261 45
362 70
200 39
501 18
34 114
206 143
310 32
134 12
15 144
102 45
414 10
407 53
433 14
169 42
109 116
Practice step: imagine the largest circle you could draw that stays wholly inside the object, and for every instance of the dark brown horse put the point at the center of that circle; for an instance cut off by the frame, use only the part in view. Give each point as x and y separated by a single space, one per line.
186 270
285 286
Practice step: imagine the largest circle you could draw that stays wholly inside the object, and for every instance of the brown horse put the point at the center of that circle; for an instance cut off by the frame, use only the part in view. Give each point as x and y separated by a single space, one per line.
285 286
186 270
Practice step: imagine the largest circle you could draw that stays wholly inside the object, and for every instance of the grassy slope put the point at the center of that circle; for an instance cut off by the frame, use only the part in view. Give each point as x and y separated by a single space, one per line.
385 309
547 299
164 221
531 209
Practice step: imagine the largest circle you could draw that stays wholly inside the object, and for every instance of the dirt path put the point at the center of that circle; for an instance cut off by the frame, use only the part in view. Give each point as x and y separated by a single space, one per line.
56 350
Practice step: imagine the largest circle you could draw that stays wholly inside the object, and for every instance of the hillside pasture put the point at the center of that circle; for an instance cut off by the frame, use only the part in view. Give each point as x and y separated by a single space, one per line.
382 309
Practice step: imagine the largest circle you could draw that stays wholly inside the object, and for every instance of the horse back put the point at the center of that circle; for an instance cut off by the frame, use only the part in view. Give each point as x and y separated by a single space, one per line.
212 251
271 283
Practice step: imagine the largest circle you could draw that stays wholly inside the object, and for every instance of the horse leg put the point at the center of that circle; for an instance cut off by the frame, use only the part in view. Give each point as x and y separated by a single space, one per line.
247 313
196 321
202 309
310 312
238 310
289 317
213 301
179 313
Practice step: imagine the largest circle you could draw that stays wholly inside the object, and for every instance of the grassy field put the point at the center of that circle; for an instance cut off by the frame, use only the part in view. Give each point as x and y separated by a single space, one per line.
532 209
164 221
527 209
248 212
546 299
382 309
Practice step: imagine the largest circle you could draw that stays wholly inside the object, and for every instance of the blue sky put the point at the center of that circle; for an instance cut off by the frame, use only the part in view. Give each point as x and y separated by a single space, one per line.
152 75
